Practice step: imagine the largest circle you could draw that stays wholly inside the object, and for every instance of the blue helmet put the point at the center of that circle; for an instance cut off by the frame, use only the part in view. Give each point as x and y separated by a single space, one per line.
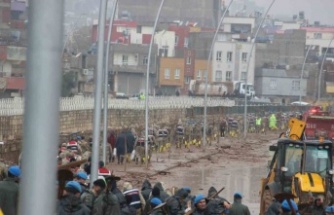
199 198
75 185
15 171
238 195
330 209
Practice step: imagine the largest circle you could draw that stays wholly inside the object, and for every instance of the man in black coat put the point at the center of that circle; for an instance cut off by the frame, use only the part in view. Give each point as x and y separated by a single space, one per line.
121 147
9 191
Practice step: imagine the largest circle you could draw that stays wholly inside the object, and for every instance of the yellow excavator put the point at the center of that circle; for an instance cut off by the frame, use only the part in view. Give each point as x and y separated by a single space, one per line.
300 168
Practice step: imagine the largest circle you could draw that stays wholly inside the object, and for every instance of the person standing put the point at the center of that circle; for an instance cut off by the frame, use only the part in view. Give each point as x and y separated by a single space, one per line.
86 195
121 147
223 125
237 207
130 142
9 191
70 203
200 203
112 143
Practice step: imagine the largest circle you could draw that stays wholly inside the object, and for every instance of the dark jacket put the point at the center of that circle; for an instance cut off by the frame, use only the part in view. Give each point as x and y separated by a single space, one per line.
112 139
118 193
163 195
174 204
146 189
317 210
106 204
71 205
9 194
128 210
216 204
120 144
130 141
239 209
274 209
201 212
87 197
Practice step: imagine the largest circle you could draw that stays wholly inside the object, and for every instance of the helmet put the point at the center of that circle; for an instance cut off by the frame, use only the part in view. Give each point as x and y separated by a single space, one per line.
286 206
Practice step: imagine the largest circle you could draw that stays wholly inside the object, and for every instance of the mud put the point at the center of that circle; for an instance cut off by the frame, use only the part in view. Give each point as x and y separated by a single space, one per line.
238 168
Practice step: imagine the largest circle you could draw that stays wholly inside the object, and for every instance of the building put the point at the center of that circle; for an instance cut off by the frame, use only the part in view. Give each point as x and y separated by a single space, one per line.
279 84
171 75
229 62
205 13
129 67
287 48
320 37
238 25
165 40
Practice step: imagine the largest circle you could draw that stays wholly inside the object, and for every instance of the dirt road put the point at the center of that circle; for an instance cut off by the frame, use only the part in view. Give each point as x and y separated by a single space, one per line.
238 168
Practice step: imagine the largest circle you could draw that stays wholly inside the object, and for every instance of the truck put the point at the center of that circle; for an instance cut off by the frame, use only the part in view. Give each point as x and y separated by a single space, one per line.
221 89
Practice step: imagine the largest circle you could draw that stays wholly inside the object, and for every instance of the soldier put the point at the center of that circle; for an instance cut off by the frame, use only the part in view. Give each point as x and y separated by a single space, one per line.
9 191
237 207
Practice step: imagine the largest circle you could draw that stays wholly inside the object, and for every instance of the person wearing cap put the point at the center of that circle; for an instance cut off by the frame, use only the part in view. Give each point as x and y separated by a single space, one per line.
217 204
9 191
237 207
88 166
105 202
87 196
70 203
318 207
286 208
200 203
103 171
329 210
157 207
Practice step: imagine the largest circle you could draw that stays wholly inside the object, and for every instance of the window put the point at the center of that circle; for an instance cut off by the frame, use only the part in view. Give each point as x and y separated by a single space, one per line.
145 60
243 76
295 85
199 75
219 56
219 76
167 73
187 80
176 40
139 29
229 57
186 42
317 35
177 74
228 75
125 59
244 57
188 60
273 84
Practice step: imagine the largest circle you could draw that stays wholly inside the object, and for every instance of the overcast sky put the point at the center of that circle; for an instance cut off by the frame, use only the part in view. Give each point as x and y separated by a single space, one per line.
315 10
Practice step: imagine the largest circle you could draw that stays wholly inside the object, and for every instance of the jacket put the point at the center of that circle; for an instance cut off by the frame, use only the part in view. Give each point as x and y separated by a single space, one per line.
120 144
71 205
239 209
175 205
130 141
274 209
146 189
163 195
87 197
9 194
106 204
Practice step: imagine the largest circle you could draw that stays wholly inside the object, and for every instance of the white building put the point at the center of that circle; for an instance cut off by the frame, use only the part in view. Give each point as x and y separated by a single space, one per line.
238 25
229 62
320 37
166 43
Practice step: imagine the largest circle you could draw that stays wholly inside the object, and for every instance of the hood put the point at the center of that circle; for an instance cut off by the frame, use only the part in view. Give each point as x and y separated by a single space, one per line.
212 191
159 185
181 193
146 185
70 203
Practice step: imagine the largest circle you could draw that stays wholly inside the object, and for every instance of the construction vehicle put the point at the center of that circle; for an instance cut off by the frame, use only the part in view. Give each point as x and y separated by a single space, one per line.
299 167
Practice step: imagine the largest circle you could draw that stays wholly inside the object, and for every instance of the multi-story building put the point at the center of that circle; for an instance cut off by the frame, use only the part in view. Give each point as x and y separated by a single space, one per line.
269 82
320 37
287 48
171 75
229 62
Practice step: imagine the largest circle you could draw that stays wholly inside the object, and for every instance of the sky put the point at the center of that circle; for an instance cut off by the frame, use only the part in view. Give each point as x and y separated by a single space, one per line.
315 10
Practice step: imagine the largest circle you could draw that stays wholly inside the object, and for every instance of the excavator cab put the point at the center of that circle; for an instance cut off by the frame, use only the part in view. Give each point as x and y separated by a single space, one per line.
299 167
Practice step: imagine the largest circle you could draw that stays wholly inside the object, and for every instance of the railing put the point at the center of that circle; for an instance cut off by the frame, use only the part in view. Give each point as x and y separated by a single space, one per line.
12 107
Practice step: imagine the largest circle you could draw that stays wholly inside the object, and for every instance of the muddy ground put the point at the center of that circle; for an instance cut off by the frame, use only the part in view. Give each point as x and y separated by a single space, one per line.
238 168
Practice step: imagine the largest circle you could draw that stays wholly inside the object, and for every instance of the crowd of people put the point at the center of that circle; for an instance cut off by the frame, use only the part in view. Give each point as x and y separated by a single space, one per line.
105 197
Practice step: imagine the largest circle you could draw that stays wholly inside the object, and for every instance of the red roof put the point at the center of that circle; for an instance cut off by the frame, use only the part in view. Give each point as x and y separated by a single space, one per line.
15 83
319 29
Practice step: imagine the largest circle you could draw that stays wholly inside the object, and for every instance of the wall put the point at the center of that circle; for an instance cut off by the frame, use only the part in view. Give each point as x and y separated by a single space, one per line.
201 66
166 38
172 64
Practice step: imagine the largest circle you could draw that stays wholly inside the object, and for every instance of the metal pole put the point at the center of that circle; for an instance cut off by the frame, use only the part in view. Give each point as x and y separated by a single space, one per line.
41 118
248 64
98 92
321 69
207 72
301 76
148 79
106 78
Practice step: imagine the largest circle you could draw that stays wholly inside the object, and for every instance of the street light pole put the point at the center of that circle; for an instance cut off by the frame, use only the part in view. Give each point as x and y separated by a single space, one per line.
301 76
41 117
106 78
98 92
321 69
148 79
207 72
248 64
